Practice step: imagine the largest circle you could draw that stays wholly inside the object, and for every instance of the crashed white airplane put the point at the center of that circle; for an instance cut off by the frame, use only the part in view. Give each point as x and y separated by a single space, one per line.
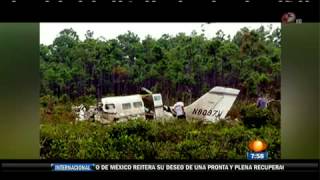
212 106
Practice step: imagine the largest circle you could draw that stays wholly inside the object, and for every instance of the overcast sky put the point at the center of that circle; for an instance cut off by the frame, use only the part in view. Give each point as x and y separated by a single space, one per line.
49 31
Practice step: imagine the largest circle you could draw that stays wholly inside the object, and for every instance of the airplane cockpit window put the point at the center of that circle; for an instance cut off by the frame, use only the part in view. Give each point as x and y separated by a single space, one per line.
126 106
157 98
109 106
137 104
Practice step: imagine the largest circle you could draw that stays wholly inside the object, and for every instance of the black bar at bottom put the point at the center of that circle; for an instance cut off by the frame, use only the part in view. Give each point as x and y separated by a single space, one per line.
47 167
5 167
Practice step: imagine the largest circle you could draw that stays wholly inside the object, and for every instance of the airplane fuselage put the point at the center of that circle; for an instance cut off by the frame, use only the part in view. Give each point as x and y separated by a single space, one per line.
212 106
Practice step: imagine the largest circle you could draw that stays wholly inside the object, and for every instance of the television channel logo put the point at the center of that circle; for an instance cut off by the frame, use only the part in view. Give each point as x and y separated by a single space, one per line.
257 150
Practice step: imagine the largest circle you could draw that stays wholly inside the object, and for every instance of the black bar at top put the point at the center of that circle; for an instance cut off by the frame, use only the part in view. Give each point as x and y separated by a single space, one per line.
156 10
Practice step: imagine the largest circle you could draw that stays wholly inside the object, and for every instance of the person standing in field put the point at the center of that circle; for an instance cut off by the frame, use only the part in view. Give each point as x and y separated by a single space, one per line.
178 108
262 102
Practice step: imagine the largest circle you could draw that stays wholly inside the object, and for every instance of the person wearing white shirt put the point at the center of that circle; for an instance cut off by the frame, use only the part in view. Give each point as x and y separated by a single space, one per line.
178 108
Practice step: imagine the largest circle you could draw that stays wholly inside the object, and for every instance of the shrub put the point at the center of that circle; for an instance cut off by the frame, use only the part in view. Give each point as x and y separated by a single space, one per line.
153 140
255 117
275 108
86 100
57 114
48 101
64 99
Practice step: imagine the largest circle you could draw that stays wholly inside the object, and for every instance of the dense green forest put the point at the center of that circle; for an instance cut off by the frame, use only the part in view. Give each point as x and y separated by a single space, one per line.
176 66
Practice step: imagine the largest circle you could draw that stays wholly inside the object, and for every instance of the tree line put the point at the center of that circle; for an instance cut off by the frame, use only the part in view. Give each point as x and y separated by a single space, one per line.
185 66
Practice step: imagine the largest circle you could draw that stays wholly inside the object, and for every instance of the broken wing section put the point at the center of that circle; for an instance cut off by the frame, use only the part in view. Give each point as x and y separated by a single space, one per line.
214 105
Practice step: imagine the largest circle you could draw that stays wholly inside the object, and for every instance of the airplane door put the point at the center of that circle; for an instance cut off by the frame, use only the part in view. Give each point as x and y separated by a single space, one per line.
158 105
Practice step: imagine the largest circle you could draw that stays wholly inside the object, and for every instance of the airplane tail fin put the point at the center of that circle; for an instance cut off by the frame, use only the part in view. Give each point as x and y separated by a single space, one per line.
213 105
